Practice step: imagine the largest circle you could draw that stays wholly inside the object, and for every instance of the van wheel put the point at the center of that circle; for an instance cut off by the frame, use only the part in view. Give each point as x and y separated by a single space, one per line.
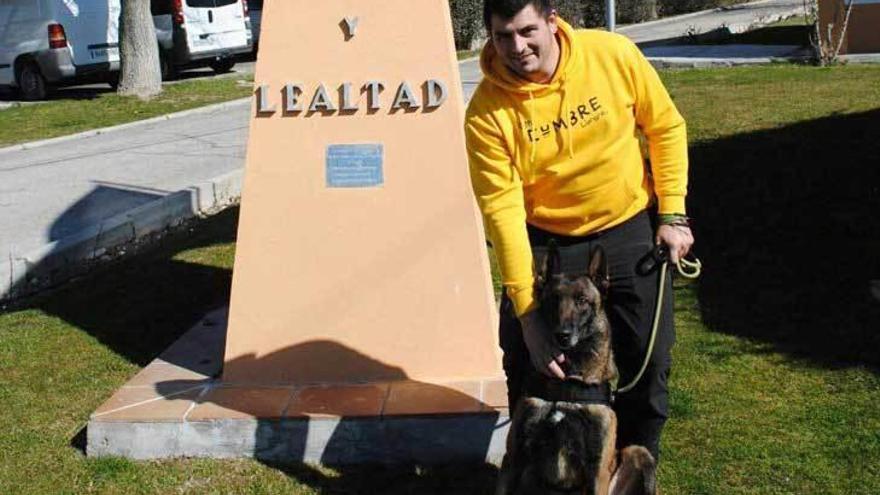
113 81
222 65
31 83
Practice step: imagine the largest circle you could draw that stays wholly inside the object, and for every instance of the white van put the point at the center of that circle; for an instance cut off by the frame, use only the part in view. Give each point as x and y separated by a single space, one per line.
195 33
255 14
47 43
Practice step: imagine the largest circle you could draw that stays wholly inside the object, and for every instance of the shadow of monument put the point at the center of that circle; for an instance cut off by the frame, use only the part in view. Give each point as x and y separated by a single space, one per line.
139 305
102 202
369 454
788 227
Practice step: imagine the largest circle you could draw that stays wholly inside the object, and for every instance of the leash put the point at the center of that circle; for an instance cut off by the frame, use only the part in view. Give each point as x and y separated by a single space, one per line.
687 269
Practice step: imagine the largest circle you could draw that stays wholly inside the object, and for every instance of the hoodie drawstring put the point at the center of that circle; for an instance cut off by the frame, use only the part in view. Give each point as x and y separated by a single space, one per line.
530 118
565 116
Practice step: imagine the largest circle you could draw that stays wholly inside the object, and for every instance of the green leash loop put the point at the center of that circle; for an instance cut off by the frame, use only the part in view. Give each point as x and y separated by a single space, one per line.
687 269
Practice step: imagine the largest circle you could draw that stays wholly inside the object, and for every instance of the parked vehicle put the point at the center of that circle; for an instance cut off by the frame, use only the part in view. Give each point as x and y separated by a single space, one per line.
194 33
47 43
255 9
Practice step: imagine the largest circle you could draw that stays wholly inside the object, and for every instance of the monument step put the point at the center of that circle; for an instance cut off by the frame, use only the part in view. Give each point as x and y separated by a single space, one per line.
178 407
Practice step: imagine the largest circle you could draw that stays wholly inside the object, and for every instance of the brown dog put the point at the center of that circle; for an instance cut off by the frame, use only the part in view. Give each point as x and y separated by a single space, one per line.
562 436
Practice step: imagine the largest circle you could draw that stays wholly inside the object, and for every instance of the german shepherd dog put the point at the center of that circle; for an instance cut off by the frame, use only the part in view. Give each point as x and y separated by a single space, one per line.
563 433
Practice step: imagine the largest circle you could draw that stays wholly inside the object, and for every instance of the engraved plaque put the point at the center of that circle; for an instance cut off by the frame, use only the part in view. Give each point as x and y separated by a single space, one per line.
354 165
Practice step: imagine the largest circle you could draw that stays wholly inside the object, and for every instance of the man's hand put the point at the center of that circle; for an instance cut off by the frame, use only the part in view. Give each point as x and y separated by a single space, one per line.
545 355
678 238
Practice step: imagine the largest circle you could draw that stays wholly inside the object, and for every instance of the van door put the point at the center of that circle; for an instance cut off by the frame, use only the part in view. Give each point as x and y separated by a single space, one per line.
22 30
215 26
92 28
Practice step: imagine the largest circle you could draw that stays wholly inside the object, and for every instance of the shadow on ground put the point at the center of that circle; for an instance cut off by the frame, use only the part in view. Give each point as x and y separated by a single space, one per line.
788 227
103 201
141 304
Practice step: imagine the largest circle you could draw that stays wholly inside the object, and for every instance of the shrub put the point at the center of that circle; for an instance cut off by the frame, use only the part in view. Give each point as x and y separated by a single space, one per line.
467 22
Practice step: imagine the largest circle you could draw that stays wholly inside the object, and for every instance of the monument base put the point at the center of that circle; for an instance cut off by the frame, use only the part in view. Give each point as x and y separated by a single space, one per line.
176 408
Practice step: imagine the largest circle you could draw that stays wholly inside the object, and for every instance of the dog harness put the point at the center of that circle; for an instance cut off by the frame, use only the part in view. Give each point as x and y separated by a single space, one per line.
572 389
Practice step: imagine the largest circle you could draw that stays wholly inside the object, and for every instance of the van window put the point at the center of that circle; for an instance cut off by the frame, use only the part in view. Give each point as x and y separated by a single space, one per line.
209 3
160 7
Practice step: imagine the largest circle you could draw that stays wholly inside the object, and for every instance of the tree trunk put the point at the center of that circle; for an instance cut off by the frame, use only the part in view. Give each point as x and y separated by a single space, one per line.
650 10
139 74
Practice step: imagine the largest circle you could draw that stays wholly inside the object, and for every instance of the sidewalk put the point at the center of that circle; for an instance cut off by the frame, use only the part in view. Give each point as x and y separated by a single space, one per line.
697 56
733 19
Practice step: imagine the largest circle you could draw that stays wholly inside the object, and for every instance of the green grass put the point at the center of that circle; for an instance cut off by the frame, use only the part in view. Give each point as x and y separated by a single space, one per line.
775 384
101 109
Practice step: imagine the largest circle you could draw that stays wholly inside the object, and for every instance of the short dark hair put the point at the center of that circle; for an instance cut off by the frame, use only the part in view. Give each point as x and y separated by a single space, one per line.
506 9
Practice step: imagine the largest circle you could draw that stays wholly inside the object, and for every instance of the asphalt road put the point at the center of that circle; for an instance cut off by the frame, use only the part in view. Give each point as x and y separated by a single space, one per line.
52 191
736 18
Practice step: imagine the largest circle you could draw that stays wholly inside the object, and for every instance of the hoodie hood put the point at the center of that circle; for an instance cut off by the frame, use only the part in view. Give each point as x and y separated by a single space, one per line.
496 72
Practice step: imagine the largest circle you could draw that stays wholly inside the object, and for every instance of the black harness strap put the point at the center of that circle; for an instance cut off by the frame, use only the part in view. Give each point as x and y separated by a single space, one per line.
571 390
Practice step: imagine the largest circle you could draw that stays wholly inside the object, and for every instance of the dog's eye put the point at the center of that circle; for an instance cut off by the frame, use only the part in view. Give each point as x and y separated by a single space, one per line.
583 301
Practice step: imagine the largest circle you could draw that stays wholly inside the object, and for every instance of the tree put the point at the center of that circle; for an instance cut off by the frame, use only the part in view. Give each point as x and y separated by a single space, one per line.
139 73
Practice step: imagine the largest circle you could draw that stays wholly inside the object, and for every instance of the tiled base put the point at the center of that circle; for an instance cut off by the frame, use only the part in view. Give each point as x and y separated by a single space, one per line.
174 408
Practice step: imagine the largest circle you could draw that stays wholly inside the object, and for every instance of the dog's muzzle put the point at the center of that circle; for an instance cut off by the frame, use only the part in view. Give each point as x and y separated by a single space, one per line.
566 340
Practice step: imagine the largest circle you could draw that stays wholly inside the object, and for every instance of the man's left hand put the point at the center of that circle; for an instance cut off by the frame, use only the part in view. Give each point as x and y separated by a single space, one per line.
677 238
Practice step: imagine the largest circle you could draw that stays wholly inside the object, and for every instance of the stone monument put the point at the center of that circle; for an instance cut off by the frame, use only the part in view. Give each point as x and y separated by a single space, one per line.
362 324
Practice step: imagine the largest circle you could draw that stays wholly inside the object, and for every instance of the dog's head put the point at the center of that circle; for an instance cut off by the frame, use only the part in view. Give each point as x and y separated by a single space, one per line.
571 304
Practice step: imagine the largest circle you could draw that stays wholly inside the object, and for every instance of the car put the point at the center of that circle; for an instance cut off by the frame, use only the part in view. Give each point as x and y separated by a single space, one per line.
50 43
197 33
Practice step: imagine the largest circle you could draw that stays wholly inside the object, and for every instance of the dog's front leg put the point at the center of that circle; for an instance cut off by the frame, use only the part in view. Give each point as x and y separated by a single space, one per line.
636 474
506 477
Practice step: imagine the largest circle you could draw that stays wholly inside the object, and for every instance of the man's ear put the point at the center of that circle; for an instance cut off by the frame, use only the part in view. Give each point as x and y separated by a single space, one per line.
551 21
598 269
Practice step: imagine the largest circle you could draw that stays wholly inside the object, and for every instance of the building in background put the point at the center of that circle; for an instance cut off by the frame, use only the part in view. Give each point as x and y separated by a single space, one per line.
863 30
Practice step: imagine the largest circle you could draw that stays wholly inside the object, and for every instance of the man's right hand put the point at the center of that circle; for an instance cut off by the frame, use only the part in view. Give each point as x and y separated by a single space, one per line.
543 351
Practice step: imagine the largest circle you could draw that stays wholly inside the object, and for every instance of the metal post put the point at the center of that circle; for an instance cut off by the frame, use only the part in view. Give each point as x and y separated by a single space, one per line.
610 15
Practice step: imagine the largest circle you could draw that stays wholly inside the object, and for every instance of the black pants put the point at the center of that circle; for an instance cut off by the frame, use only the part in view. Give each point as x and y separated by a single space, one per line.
642 411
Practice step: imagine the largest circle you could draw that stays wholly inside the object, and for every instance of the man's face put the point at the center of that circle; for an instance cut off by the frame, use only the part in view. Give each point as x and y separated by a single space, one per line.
527 43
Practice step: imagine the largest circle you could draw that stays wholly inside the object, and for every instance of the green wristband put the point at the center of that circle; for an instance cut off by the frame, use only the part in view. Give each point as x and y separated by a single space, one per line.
672 218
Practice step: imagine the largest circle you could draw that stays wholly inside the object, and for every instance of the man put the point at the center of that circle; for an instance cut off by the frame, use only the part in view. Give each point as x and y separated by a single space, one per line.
553 136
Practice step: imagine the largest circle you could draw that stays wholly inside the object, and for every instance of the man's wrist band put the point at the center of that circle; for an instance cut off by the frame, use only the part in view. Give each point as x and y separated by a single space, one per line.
674 219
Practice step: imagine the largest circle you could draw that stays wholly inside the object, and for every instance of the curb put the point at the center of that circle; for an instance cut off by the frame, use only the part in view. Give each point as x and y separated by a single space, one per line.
861 58
104 130
65 258
704 63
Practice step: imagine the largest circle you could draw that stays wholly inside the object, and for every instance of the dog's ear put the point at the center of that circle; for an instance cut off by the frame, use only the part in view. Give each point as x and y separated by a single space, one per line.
598 269
550 264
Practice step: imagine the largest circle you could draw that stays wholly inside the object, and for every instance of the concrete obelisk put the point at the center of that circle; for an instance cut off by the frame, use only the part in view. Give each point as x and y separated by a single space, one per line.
362 323
360 254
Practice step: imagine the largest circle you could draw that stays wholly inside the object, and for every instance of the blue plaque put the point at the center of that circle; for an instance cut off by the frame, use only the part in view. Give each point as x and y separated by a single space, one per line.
354 165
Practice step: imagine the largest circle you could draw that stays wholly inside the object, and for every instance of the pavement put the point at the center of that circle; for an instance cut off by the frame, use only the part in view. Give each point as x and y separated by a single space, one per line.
79 187
733 19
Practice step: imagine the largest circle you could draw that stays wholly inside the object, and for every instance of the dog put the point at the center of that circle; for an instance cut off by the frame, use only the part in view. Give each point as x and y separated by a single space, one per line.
562 436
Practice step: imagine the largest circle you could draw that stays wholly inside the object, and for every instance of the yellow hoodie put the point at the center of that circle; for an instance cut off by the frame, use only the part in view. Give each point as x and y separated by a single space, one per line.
565 156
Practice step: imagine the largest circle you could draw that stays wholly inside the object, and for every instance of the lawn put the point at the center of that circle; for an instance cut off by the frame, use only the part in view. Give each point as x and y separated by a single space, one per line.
775 384
93 109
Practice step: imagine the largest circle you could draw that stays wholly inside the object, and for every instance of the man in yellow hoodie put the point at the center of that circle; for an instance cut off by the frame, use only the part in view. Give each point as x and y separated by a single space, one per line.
553 136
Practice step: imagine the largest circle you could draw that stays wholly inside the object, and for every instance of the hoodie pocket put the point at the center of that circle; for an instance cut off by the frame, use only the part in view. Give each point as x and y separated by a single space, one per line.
609 201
